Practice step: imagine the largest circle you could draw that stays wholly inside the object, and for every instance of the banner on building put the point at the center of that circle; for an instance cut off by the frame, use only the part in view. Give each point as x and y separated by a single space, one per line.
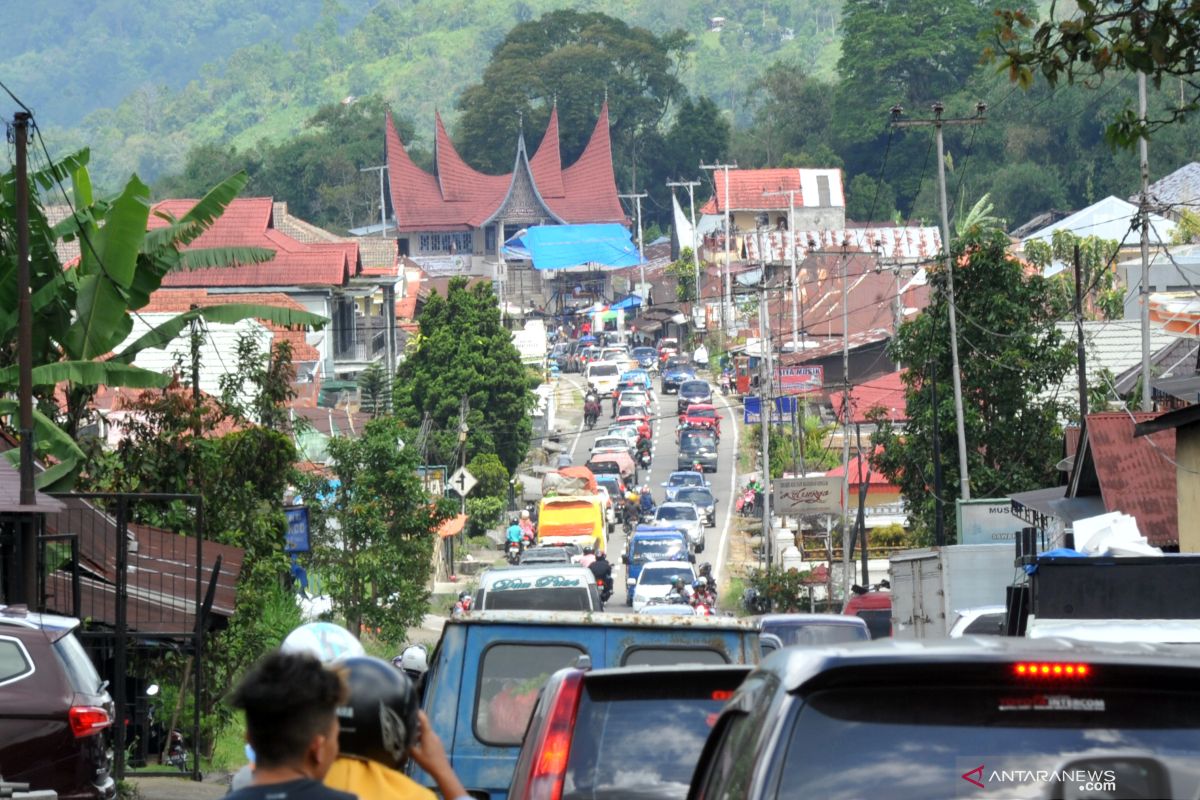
799 380
796 497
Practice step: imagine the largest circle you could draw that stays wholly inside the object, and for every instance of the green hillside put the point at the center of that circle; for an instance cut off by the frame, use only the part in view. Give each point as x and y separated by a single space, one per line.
237 72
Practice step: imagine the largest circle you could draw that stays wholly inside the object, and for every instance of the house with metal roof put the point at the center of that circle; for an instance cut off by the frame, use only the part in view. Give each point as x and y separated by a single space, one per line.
1174 193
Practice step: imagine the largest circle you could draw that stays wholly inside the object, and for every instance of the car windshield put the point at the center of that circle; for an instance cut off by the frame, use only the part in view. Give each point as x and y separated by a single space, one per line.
702 413
615 720
1127 742
686 479
699 497
632 411
694 389
644 550
574 598
693 440
602 370
549 555
609 482
811 634
676 513
644 352
611 441
663 576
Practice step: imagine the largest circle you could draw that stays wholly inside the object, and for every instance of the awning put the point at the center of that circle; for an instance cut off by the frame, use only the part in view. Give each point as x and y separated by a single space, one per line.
633 301
1053 502
581 247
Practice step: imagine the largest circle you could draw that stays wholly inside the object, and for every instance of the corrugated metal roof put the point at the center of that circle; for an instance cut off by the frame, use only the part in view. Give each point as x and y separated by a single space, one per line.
1175 192
1114 345
912 243
1136 475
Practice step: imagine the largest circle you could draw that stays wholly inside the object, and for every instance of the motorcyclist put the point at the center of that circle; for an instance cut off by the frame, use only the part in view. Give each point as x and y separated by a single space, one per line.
644 432
463 604
588 557
646 501
644 452
603 572
514 534
413 661
381 727
591 408
680 592
526 524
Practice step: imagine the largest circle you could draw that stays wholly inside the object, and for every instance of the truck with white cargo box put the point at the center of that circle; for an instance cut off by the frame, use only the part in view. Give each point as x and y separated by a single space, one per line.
930 585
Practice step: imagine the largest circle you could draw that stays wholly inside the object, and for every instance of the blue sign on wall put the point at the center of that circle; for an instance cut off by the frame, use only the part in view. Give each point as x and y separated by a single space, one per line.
296 539
785 407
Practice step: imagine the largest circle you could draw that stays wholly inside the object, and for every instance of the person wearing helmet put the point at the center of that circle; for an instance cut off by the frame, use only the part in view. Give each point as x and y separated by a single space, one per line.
646 501
679 593
588 557
463 604
526 527
291 705
413 662
381 727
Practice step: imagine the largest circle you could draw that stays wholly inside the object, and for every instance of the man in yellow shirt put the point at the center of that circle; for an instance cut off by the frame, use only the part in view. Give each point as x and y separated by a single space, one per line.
381 727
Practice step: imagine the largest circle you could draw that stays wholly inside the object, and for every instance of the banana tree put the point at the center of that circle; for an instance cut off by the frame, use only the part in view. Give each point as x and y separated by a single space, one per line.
85 309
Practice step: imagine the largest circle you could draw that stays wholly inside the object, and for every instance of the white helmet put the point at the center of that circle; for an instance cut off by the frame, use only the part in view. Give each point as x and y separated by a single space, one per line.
328 642
525 514
413 660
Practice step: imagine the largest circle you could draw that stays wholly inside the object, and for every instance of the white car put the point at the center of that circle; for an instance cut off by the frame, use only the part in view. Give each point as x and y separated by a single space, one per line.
655 579
613 444
602 377
627 432
979 621
684 517
610 515
634 397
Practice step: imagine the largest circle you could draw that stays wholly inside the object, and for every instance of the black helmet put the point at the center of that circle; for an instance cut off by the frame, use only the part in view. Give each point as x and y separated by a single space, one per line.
587 550
464 595
379 720
705 568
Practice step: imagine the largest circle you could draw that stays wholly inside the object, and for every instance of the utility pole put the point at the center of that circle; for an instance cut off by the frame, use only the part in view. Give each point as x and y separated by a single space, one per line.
766 406
939 510
726 281
637 199
1080 350
1144 213
382 198
29 572
846 580
938 122
791 243
691 189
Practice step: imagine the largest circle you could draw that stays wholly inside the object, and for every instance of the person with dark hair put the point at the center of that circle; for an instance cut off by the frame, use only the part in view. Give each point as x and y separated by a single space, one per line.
290 701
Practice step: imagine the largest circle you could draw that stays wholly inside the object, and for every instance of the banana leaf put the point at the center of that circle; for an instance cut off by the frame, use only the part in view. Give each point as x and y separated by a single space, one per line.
86 373
210 257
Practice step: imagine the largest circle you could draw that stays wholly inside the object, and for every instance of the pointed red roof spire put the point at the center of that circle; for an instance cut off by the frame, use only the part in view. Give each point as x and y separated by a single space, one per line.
590 187
546 163
457 179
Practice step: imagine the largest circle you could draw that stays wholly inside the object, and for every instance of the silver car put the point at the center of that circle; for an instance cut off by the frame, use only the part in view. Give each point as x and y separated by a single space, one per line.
684 517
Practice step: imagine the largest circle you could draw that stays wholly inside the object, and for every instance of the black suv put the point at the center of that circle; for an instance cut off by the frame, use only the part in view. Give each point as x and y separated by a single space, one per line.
693 392
1017 717
55 711
632 732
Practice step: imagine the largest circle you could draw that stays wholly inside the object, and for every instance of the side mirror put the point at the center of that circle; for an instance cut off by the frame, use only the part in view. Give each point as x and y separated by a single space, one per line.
768 643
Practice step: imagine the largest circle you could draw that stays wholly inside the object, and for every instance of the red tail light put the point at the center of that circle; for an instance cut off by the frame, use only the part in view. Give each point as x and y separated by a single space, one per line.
1051 670
88 720
550 761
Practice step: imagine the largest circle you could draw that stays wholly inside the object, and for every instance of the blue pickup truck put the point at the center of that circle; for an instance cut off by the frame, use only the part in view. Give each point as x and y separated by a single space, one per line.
486 673
652 543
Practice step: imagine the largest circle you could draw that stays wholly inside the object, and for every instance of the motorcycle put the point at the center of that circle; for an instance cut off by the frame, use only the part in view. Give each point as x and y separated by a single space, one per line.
725 383
591 413
176 755
513 552
644 458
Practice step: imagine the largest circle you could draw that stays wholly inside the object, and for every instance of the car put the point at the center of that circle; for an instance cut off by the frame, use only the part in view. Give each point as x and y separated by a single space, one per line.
602 377
1012 718
675 375
636 421
661 608
610 512
584 356
558 355
637 378
545 586
545 555
615 488
685 517
633 397
701 415
656 578
979 621
617 462
703 499
634 410
647 357
650 543
693 391
55 711
613 444
697 447
590 728
681 479
627 431
873 606
814 629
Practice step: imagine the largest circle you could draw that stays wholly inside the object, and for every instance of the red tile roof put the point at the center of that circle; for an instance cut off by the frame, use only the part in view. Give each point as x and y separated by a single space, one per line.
1136 475
885 392
860 468
248 222
747 187
177 301
460 197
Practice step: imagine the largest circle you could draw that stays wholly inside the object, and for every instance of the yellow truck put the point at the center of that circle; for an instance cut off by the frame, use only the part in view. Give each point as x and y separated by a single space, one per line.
572 519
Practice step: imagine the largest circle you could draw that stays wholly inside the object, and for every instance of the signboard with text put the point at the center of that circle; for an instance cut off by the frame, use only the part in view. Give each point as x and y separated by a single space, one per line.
986 521
801 496
799 380
433 479
296 538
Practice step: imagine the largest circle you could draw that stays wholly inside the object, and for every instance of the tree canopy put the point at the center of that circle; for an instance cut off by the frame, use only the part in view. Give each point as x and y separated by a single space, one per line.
1012 357
464 352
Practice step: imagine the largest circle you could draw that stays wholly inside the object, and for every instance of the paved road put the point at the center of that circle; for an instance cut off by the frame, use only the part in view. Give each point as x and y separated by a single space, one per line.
665 453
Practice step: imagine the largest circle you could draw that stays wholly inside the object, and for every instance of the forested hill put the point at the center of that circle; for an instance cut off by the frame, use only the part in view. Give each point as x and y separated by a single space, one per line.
142 83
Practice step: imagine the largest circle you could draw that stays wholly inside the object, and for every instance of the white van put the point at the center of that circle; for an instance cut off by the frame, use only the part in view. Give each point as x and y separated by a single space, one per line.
538 587
603 376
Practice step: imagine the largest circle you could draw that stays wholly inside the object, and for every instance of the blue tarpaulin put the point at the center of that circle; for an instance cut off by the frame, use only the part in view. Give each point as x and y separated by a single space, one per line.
633 301
561 247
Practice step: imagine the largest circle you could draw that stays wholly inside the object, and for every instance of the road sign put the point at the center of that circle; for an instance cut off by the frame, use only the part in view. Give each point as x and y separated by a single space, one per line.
462 482
800 496
752 410
296 538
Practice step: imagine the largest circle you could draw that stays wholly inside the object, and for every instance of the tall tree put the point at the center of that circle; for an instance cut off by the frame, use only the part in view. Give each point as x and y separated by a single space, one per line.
464 351
578 58
1012 354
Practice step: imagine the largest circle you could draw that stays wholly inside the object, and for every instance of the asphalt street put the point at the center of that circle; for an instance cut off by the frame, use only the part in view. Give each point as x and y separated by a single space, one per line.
665 460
